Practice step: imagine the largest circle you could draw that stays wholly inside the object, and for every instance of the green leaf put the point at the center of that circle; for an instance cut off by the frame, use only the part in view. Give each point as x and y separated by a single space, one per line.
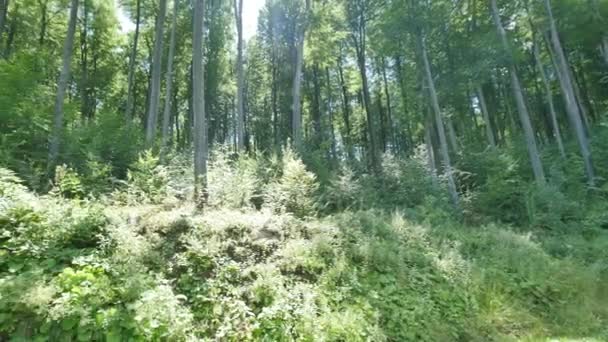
69 323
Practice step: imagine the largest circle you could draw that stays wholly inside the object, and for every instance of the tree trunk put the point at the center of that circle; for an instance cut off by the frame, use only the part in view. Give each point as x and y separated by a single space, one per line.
61 89
132 60
445 155
44 20
3 13
240 124
296 118
486 116
360 47
330 117
156 74
389 109
346 110
522 108
169 83
198 102
549 97
84 67
569 96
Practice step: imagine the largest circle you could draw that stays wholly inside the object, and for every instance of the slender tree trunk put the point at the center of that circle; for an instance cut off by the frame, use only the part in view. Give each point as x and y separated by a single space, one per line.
330 117
445 155
569 96
156 74
297 82
61 89
360 47
240 124
549 97
84 67
44 20
12 30
169 83
522 108
198 102
346 110
132 60
389 110
3 13
486 116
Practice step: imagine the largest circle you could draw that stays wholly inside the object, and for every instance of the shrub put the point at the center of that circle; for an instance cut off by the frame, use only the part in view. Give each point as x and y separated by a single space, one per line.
294 191
232 184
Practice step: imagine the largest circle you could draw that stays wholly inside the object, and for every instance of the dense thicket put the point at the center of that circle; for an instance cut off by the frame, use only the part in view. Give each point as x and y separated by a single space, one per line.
345 146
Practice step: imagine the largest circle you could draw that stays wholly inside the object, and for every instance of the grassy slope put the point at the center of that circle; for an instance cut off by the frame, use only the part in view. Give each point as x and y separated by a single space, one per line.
73 269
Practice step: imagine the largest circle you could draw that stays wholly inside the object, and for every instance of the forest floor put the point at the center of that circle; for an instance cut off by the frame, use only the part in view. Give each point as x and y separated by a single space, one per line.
100 270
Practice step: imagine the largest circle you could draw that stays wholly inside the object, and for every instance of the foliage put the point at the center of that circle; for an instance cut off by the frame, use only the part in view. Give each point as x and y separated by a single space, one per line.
293 191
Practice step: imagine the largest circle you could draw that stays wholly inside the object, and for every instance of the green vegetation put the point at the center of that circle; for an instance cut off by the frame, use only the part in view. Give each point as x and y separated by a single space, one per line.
353 170
140 263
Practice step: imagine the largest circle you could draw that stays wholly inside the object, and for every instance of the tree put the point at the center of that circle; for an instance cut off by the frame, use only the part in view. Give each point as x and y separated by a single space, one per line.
198 104
297 79
62 84
169 82
240 83
156 73
445 155
572 107
132 61
522 108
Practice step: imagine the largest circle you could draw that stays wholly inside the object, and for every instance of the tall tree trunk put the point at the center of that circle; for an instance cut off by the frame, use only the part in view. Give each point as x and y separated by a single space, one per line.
569 96
3 13
12 30
169 83
198 102
486 116
330 117
445 155
317 128
84 68
549 97
132 60
44 20
360 47
296 118
389 109
522 108
61 88
240 124
346 110
156 73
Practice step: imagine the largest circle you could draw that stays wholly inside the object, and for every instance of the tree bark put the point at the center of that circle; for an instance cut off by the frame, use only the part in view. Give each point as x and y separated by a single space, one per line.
524 115
132 60
240 107
330 117
61 89
154 99
549 98
84 67
346 110
486 116
198 102
297 82
567 86
389 109
3 12
445 155
44 20
169 83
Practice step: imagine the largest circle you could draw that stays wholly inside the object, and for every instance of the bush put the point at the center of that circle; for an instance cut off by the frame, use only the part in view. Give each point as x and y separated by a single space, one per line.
294 191
232 184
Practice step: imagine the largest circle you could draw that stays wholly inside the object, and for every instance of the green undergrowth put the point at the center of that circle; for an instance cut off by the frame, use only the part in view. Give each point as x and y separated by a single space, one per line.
122 269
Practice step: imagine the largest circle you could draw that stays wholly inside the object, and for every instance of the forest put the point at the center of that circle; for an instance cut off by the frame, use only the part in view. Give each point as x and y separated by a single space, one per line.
303 170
